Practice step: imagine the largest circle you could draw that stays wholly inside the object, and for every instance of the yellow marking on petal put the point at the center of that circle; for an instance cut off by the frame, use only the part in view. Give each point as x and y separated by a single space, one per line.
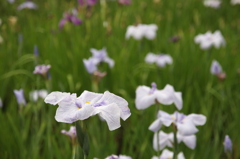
88 102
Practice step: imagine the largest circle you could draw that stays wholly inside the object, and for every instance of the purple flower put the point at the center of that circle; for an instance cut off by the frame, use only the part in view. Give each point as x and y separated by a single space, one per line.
20 97
27 4
70 17
87 2
227 144
42 70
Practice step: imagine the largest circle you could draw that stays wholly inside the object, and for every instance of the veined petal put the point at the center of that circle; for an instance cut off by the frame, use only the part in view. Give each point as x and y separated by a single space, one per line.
111 113
119 101
156 125
56 97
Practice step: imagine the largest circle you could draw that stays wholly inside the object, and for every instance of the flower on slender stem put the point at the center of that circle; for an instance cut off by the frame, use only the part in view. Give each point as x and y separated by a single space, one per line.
212 3
42 70
146 96
167 139
209 39
142 30
186 124
70 17
227 144
87 2
20 97
72 133
216 69
28 5
72 108
161 59
36 94
234 2
166 154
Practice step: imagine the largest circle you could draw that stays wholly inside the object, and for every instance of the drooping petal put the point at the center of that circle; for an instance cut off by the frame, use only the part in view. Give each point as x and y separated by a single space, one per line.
119 101
90 65
110 113
124 157
227 144
156 125
197 119
189 141
187 128
56 97
164 140
216 68
144 98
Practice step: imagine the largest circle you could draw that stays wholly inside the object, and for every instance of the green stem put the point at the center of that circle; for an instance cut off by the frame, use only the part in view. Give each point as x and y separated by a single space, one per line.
74 151
175 143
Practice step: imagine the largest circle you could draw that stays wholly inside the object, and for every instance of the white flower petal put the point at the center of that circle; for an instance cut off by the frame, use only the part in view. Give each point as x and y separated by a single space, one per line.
197 119
110 113
143 98
187 128
56 97
156 125
189 141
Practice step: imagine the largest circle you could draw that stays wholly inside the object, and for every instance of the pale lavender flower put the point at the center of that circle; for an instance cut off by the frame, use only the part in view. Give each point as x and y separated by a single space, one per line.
101 56
212 3
90 65
70 17
28 5
186 124
146 96
87 2
20 97
209 39
142 30
166 154
72 133
227 144
161 59
42 69
72 108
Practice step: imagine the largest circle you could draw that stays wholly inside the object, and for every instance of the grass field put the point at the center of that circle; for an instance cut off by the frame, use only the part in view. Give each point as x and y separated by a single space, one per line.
32 132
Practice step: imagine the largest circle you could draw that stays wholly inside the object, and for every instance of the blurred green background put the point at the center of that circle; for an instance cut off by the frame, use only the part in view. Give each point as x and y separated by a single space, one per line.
34 133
